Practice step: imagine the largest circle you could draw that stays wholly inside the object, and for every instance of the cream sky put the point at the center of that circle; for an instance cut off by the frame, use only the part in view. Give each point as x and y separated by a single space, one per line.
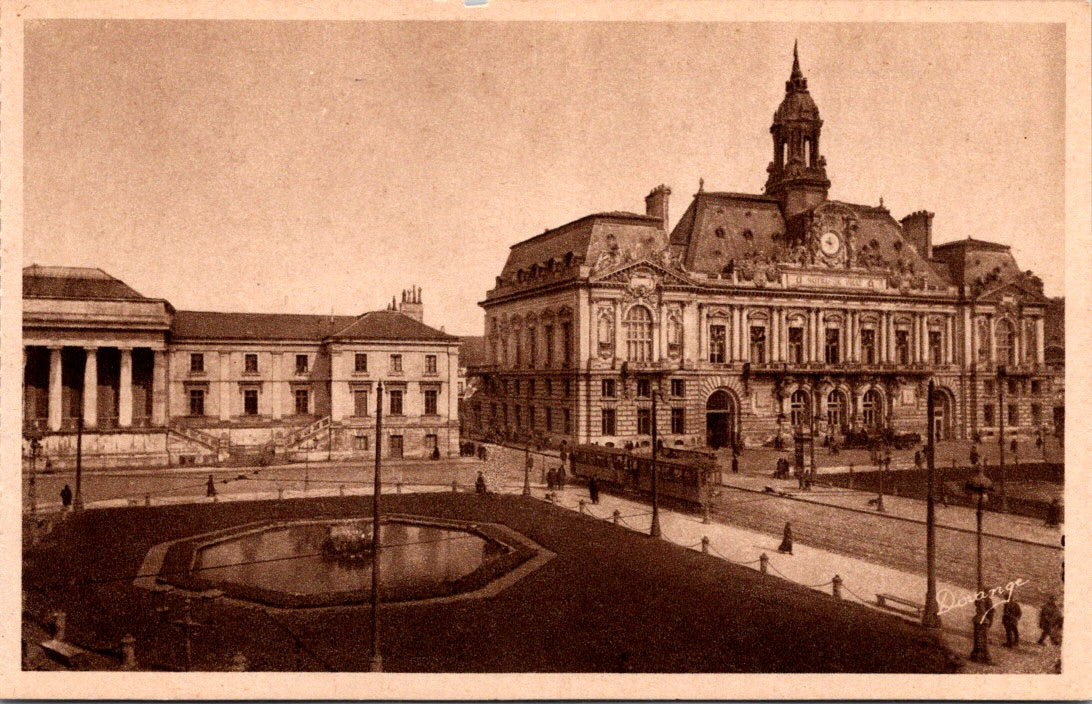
317 166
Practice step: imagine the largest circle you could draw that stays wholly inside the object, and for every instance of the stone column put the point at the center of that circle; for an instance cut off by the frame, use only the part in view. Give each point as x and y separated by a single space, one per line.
1040 343
993 339
733 335
891 343
160 392
1018 341
276 374
620 351
125 388
90 387
948 339
702 334
56 388
970 330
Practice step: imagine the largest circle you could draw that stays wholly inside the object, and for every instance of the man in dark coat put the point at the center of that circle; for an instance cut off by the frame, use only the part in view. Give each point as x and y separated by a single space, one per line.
210 487
1010 619
66 497
1050 622
786 540
593 490
479 484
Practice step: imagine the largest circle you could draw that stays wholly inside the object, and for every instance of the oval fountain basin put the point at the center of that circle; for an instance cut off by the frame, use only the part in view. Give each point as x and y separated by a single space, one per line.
415 559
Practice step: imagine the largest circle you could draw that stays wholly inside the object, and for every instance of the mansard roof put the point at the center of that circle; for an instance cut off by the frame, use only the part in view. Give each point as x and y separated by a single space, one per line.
74 282
390 325
208 325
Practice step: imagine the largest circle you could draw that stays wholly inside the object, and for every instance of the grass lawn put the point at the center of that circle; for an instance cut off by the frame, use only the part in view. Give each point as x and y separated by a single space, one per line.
611 600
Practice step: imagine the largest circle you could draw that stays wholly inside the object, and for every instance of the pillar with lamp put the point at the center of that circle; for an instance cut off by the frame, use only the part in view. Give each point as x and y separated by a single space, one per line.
978 488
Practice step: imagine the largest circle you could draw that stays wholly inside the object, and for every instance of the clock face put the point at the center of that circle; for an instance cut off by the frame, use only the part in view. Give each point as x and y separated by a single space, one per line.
830 243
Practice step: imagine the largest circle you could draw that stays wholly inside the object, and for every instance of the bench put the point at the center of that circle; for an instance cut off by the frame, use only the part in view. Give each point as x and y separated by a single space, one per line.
66 654
912 607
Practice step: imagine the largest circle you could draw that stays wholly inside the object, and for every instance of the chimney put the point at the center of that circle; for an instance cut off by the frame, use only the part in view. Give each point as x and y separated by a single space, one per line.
411 304
917 229
656 204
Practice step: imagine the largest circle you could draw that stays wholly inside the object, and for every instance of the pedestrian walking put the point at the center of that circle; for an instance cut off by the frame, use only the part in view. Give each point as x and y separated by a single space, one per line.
917 459
735 465
786 540
66 497
551 479
1054 512
48 466
561 477
479 485
1050 622
210 487
974 455
1010 619
1013 446
593 490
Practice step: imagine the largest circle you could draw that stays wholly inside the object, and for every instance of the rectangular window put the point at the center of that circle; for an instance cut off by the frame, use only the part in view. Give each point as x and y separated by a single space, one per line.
360 363
532 417
1014 387
568 388
303 402
987 414
718 343
197 362
644 421
833 346
1036 414
678 421
250 363
430 364
531 387
644 388
515 387
360 402
431 441
988 388
868 346
1014 414
549 419
608 388
607 425
1036 386
250 402
197 402
796 345
396 447
360 443
936 348
567 418
518 410
396 364
758 344
566 343
430 402
902 346
396 402
548 333
549 387
301 364
678 388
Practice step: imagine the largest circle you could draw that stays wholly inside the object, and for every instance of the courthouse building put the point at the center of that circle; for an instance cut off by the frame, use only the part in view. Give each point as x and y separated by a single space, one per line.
758 313
189 387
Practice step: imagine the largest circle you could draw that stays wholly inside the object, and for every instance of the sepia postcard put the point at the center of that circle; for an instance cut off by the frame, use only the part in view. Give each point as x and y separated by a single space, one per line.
490 349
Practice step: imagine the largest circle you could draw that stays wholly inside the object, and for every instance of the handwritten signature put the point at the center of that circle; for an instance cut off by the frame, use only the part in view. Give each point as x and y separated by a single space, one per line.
948 601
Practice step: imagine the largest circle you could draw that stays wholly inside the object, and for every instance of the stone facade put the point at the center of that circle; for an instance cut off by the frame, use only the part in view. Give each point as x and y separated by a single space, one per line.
757 315
188 387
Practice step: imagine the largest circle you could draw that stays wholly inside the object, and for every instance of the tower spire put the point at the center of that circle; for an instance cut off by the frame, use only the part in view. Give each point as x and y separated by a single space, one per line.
795 60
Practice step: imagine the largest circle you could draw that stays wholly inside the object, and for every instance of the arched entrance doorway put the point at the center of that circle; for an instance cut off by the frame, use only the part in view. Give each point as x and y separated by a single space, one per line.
720 420
942 415
872 409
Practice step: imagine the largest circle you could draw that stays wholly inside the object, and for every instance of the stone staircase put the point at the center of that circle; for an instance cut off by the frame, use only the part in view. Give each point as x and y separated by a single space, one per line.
296 438
217 445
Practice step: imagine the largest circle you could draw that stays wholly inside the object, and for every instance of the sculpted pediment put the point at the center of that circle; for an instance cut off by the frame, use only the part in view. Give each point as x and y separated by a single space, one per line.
642 274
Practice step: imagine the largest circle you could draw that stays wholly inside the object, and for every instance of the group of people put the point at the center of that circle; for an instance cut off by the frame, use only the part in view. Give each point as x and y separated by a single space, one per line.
555 478
1050 621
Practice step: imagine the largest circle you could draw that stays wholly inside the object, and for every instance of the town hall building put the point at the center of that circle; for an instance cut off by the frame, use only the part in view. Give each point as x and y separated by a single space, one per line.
759 315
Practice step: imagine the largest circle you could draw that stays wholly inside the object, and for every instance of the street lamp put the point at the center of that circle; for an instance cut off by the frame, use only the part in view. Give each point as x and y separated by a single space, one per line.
654 529
1002 374
77 501
377 660
930 617
980 485
527 472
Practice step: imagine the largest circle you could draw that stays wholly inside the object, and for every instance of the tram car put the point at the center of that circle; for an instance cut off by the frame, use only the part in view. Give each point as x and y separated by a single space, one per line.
685 477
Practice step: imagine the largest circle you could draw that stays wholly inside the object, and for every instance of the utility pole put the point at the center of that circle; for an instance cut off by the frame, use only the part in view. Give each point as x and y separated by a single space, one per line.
377 659
930 617
77 502
654 529
1002 375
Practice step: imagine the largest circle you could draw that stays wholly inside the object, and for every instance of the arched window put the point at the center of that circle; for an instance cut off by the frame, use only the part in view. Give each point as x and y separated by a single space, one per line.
1005 339
798 408
639 334
872 408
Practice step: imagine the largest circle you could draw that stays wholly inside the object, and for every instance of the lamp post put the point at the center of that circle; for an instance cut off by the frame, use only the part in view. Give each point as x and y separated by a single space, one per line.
77 501
930 617
654 529
527 472
377 659
980 486
1002 376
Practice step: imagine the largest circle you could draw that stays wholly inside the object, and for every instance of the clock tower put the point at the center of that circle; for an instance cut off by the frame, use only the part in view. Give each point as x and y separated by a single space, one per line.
797 174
